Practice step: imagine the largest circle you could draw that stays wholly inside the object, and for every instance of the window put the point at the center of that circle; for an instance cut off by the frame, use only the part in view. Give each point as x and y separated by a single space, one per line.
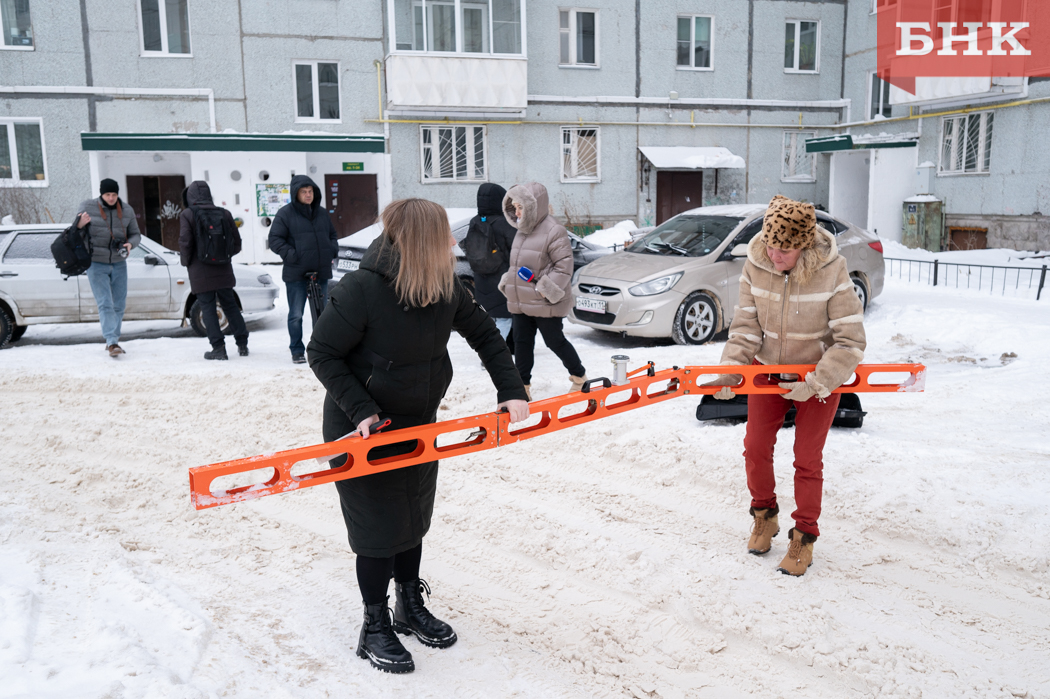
452 153
580 160
798 165
801 46
165 27
482 26
966 143
14 19
880 5
694 42
22 152
316 91
31 249
578 37
878 97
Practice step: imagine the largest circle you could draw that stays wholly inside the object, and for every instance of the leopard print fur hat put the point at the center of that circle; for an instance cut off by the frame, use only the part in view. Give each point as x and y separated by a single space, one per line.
789 224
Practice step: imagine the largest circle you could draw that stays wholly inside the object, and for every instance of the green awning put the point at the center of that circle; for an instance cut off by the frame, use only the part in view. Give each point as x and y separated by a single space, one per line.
828 144
299 143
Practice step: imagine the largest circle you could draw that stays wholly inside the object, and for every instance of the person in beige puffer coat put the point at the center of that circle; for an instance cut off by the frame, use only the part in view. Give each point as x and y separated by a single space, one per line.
797 306
542 246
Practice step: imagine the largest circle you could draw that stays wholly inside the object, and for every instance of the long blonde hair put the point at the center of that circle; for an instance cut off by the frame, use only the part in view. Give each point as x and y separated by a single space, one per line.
418 229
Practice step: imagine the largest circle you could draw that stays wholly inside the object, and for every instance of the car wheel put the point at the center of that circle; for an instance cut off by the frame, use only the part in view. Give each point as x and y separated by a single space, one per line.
197 319
862 292
7 328
696 321
17 333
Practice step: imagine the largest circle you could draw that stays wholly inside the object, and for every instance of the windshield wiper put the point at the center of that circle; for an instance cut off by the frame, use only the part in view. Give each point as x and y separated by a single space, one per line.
680 250
652 246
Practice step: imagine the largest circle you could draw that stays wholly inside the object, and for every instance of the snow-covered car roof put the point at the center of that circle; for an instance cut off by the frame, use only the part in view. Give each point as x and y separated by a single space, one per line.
33 227
739 210
364 237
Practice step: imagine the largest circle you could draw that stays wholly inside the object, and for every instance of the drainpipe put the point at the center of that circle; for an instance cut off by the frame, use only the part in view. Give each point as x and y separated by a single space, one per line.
119 92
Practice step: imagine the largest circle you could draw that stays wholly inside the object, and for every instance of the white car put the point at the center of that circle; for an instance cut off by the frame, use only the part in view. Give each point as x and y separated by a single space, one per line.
32 290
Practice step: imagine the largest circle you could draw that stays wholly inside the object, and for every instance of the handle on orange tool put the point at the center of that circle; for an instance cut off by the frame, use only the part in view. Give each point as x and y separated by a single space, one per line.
377 426
606 383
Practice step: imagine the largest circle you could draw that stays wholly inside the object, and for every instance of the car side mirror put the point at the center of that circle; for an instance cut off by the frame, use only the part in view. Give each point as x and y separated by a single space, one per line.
739 250
153 260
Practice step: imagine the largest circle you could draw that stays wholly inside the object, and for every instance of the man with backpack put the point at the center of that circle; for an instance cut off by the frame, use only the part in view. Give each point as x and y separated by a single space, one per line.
208 240
112 233
487 247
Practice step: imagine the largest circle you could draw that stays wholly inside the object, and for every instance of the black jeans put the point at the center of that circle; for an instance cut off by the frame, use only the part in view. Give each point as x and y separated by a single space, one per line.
525 328
233 314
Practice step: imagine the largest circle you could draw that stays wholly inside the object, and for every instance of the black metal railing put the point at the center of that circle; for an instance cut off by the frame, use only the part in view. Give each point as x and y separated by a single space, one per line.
963 275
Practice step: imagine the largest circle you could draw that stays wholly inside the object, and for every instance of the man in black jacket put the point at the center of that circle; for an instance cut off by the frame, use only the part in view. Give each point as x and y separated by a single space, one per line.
304 237
211 282
487 247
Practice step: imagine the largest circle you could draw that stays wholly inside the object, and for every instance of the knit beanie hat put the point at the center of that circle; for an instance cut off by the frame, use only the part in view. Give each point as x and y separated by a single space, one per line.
108 185
789 224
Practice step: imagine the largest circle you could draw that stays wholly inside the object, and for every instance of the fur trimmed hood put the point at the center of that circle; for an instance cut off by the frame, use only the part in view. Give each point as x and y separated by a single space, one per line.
533 199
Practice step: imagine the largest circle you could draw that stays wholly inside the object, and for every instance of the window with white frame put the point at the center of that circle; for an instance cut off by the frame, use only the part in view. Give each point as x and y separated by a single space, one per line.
481 26
165 27
878 97
798 165
316 91
966 144
695 41
880 5
22 152
801 46
452 153
580 154
17 29
578 37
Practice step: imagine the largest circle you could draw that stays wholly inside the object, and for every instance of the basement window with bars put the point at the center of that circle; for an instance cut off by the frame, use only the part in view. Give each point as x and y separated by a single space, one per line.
966 144
453 153
798 165
580 155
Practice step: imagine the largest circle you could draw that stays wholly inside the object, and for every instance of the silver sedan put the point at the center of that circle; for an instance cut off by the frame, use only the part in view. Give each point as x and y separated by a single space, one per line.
32 290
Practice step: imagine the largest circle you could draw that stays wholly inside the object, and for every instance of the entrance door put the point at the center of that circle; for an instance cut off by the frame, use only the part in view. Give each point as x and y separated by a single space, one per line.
157 201
352 201
677 192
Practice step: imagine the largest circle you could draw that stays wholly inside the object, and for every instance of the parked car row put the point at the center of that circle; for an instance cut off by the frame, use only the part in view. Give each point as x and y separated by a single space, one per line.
32 290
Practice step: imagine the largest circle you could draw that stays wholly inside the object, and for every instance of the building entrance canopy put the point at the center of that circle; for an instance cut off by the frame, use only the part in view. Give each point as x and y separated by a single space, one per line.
691 157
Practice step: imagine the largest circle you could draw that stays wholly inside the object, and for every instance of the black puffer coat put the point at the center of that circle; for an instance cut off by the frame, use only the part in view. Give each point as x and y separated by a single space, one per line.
490 215
304 236
202 277
387 513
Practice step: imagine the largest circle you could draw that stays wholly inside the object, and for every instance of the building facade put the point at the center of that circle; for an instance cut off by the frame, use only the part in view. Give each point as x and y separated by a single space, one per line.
623 109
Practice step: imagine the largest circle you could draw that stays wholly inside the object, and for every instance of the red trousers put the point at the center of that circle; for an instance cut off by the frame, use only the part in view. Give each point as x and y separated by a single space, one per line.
765 417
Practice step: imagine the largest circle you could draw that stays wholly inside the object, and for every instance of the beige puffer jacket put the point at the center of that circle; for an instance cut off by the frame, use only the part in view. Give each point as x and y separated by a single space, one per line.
780 321
542 245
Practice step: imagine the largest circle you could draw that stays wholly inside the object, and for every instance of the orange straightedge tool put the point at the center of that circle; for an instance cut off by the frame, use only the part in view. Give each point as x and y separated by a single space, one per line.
467 435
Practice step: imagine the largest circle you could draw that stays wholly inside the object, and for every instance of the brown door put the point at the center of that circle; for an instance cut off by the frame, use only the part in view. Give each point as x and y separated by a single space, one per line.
352 201
677 192
157 201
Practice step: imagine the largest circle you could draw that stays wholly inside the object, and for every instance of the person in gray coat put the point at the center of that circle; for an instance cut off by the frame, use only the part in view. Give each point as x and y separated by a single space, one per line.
113 233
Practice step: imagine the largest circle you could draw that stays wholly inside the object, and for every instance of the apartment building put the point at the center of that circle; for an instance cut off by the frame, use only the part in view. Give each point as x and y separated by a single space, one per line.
624 109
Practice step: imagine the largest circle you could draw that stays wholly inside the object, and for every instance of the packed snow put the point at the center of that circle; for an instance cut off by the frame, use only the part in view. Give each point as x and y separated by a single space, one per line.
608 560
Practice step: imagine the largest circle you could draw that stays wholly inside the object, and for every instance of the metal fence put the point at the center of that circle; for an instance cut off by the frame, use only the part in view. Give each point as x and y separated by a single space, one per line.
994 278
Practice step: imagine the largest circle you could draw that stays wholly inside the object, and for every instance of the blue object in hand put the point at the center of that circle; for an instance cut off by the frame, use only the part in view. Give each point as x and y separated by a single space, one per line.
526 274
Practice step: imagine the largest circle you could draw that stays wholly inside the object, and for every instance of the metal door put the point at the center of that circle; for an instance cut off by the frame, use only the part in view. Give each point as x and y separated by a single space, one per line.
352 201
29 276
677 192
157 201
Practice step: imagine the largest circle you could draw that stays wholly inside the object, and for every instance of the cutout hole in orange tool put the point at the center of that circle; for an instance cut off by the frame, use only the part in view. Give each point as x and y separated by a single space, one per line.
622 398
447 441
536 421
576 410
661 388
239 482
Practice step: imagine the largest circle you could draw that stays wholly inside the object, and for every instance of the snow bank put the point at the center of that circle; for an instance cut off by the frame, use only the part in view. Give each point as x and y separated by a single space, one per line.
992 256
604 561
617 235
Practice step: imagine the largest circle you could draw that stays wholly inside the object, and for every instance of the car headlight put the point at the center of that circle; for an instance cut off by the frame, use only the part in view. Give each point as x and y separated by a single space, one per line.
265 279
656 286
575 278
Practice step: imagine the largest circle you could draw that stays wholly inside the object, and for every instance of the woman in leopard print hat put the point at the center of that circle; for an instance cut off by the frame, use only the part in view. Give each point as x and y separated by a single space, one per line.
797 306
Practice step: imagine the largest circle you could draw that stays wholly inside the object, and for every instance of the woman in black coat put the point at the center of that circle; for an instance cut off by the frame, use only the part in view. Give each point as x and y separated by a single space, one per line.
487 247
380 349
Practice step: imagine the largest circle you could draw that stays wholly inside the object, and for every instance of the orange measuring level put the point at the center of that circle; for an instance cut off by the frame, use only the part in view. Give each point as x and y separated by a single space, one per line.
298 468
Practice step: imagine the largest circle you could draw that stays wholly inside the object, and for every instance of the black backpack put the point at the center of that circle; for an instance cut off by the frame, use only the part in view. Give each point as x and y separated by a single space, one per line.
480 246
215 237
72 250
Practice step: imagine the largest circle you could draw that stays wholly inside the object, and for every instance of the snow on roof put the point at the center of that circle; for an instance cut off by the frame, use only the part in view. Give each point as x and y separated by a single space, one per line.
691 157
741 210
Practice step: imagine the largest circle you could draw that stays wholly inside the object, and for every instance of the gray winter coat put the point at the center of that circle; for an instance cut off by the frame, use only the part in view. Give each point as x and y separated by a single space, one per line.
125 228
542 244
203 277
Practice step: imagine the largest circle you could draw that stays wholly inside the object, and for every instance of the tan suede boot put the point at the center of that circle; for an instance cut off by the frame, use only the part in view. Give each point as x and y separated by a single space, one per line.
763 530
800 553
577 383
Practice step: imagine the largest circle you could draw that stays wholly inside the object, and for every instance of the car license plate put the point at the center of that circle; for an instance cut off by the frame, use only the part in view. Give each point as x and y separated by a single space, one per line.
592 305
348 265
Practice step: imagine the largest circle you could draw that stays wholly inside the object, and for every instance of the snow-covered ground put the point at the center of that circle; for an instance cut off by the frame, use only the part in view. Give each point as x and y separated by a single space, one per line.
605 561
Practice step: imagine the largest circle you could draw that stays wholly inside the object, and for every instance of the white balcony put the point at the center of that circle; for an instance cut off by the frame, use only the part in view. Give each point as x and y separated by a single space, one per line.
419 84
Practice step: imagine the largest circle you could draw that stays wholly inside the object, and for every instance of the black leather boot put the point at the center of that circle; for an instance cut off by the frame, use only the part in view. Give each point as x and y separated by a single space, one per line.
379 645
218 352
412 617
